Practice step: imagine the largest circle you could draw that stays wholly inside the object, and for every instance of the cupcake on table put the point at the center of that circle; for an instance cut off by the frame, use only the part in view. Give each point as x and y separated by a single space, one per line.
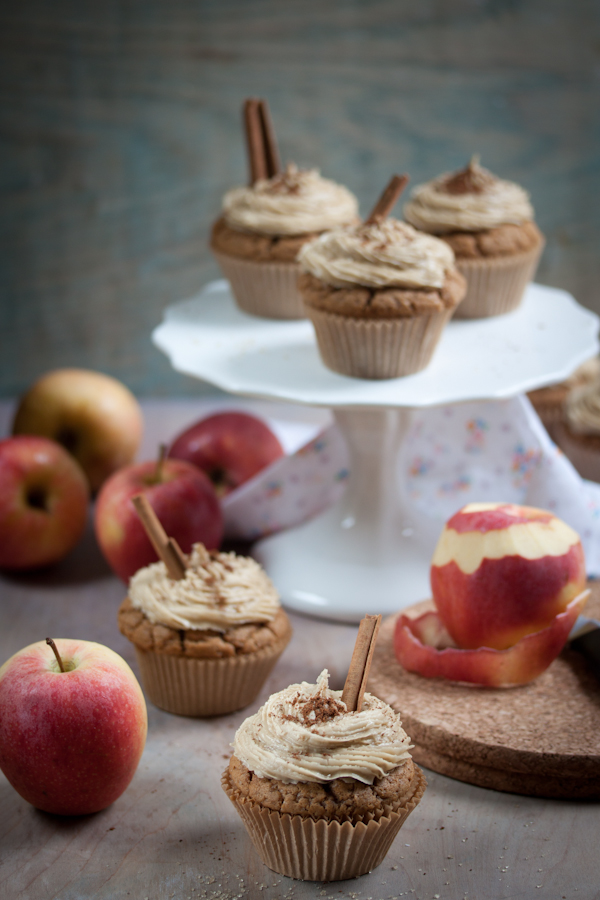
489 224
263 226
207 628
379 293
323 780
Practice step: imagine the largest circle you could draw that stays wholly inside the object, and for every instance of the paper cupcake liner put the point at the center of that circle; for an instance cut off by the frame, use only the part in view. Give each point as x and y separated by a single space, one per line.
377 348
496 285
317 849
584 453
267 289
206 687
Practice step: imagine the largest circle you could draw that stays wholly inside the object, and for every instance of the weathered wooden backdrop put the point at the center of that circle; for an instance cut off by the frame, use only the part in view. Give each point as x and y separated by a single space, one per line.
120 132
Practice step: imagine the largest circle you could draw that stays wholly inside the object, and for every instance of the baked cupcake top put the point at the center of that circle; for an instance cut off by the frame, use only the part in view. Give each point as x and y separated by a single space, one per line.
582 409
381 254
296 201
219 590
472 199
306 734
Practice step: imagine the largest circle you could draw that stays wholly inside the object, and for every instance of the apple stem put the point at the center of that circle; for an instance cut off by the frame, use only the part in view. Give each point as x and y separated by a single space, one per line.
56 653
162 455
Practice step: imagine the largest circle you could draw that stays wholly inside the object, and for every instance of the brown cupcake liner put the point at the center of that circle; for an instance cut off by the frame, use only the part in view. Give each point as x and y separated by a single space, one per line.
377 348
582 450
206 687
266 289
319 849
496 285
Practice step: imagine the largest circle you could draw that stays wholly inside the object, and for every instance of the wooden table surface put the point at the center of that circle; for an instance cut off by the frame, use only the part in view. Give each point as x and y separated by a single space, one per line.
174 833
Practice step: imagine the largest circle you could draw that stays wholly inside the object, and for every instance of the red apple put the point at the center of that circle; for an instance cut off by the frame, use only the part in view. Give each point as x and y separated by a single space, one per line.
231 447
500 572
44 498
70 741
182 497
95 417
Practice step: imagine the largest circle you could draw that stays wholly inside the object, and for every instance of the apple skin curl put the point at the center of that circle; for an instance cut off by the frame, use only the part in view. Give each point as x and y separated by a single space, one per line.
423 645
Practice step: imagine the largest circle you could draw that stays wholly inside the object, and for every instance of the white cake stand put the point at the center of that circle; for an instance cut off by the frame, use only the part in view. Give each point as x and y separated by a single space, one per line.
371 551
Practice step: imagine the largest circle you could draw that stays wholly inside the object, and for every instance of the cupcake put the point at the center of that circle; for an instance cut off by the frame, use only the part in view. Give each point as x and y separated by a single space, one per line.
263 226
206 642
578 435
379 294
322 790
549 401
489 224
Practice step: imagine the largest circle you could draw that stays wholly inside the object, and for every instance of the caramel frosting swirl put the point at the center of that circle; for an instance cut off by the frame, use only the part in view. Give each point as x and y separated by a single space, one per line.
470 200
297 201
306 734
219 590
383 254
582 409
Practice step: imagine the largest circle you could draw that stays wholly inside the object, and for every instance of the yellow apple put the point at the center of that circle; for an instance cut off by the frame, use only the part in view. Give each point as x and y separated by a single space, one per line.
95 417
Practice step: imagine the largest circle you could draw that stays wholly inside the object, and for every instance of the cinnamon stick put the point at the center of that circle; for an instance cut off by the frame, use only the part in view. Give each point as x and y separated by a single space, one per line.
271 150
388 199
178 554
360 664
255 140
166 548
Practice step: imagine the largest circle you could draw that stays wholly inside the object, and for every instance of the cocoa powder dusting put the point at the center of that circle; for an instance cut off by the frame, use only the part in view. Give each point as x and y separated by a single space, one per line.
287 182
321 709
470 180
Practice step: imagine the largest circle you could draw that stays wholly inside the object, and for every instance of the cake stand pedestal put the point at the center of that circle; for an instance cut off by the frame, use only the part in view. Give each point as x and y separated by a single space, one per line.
370 552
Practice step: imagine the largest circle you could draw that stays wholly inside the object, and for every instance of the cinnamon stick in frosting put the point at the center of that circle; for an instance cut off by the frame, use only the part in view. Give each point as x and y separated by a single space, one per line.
166 548
263 155
273 162
360 664
388 199
254 141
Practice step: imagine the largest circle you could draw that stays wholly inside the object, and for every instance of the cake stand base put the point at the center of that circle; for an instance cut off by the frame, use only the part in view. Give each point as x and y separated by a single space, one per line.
370 552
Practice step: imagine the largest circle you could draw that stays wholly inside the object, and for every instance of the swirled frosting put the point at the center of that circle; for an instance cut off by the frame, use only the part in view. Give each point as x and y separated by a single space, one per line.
297 201
306 734
582 409
384 254
470 200
219 590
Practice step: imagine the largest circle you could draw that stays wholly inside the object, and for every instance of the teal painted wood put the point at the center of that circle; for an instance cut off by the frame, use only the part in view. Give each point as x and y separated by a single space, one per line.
121 130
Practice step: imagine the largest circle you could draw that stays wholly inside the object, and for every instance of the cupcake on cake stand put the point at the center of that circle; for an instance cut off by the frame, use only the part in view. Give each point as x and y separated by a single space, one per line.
370 551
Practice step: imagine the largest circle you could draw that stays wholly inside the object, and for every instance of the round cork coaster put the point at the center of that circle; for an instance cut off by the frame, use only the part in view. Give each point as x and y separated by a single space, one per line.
541 739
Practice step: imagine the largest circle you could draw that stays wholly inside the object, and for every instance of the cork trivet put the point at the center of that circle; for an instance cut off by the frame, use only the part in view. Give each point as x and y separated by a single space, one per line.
541 739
